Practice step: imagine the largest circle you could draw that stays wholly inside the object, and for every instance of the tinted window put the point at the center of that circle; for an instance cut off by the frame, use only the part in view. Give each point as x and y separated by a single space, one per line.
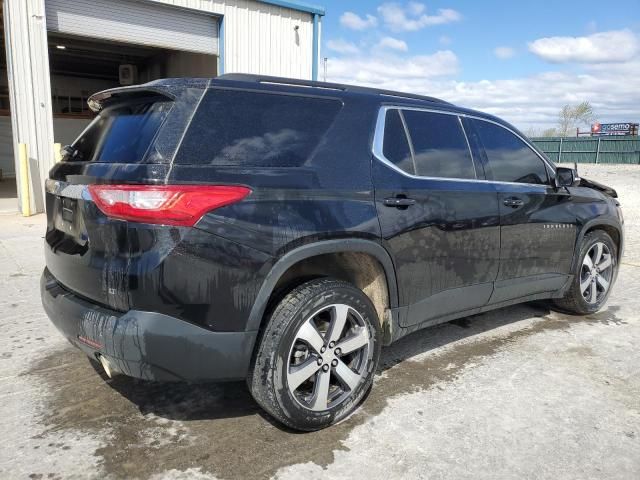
510 159
439 145
120 134
256 129
396 146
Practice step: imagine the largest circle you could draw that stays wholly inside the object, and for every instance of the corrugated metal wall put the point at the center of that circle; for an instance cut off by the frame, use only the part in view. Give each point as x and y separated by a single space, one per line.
30 89
135 22
591 149
261 38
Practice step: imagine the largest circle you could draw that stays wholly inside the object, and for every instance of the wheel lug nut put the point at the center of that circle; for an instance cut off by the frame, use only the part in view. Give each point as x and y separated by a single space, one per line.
337 351
334 363
325 368
332 344
323 349
319 361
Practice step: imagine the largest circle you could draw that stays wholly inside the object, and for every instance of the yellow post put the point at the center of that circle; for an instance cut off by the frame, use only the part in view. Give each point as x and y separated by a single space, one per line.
25 203
57 152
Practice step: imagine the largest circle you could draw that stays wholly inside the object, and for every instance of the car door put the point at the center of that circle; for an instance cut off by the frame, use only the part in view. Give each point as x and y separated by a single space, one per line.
439 220
537 223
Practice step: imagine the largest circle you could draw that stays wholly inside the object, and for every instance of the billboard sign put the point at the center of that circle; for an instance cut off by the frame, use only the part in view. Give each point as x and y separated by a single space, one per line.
606 129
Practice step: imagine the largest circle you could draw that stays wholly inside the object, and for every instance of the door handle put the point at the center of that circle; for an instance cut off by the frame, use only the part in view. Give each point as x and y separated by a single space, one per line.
398 202
513 202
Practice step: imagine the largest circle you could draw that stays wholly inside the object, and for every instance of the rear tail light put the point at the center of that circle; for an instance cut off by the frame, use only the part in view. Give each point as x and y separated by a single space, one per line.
181 205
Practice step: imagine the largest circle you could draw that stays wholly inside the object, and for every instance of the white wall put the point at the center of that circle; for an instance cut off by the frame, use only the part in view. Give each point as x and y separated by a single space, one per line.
260 38
30 90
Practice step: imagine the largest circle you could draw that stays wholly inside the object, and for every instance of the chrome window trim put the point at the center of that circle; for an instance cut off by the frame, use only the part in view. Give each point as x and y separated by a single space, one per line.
378 140
473 160
408 138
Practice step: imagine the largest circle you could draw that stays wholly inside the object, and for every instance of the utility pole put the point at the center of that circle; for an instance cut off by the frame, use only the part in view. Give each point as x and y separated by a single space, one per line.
325 69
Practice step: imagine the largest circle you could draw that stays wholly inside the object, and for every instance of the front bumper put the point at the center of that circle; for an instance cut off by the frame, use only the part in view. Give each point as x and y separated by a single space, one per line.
147 345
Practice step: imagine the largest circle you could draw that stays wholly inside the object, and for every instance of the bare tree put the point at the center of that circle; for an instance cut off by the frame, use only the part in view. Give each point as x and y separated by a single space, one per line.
572 116
533 132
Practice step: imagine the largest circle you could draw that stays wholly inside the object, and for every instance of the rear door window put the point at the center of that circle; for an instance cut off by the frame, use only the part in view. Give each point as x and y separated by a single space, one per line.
256 129
439 144
395 146
120 134
510 159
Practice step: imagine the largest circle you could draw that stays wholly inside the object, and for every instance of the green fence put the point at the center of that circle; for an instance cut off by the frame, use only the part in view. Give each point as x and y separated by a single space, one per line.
591 149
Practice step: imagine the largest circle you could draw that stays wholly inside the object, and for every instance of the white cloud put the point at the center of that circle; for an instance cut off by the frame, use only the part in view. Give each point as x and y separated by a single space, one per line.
413 16
393 43
504 53
444 40
604 47
393 71
356 22
416 8
342 46
532 101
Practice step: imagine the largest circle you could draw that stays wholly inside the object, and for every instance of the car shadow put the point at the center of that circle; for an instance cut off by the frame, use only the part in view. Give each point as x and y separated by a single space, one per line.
207 401
184 401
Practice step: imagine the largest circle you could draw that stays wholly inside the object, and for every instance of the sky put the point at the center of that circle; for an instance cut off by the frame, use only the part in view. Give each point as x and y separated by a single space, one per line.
520 60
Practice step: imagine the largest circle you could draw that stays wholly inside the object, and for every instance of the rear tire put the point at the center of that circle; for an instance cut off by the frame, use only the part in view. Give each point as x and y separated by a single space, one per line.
594 275
317 355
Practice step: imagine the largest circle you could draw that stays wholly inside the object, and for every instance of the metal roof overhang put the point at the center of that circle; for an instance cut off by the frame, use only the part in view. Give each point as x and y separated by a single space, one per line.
296 5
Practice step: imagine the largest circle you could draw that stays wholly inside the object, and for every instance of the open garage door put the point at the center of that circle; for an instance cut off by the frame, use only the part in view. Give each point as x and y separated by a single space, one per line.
134 21
100 44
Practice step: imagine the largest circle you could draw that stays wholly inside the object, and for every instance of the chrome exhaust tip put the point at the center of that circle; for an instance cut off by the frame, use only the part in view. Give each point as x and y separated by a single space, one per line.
106 365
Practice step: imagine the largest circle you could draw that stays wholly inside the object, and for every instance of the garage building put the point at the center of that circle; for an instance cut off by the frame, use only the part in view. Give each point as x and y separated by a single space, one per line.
58 52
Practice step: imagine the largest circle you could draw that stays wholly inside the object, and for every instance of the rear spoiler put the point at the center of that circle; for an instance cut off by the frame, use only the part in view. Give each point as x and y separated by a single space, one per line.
169 88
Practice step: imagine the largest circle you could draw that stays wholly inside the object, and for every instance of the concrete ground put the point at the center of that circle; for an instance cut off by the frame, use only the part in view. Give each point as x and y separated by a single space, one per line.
517 393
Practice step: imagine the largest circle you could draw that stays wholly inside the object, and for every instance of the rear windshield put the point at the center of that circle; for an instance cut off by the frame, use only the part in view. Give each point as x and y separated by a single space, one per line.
120 134
256 129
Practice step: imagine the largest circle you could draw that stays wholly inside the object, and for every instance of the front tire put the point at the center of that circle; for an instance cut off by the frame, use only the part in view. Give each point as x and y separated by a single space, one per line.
317 355
594 275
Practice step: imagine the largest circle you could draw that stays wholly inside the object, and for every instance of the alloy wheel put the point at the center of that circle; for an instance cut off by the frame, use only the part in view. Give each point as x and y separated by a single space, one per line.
596 273
328 357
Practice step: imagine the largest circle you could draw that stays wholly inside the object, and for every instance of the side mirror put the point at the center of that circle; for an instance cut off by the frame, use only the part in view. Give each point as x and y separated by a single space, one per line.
566 177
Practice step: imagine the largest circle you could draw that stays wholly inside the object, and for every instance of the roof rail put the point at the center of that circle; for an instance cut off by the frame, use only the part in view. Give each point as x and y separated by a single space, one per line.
265 79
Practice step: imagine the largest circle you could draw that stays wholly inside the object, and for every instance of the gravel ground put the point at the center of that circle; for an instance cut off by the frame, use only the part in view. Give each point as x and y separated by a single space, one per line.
521 392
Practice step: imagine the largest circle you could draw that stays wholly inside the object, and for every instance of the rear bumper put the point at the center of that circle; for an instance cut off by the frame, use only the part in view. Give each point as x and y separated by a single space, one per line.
147 345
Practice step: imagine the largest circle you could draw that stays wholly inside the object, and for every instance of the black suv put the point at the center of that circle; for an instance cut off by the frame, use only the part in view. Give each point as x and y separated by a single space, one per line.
281 231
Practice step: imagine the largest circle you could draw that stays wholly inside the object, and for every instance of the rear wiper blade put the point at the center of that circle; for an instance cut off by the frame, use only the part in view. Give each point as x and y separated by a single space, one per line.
69 152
